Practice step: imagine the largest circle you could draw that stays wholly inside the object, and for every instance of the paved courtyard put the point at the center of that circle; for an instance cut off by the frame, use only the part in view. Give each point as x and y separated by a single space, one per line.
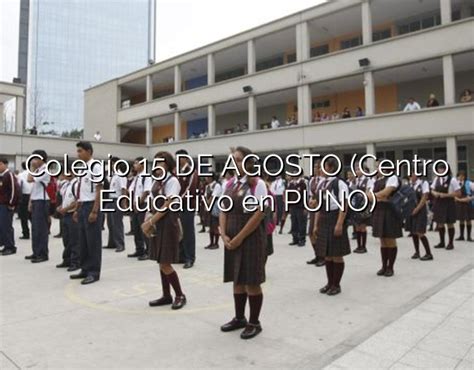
422 317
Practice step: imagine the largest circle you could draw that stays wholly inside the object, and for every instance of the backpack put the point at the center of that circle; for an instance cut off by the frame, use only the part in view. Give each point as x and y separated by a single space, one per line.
403 201
51 189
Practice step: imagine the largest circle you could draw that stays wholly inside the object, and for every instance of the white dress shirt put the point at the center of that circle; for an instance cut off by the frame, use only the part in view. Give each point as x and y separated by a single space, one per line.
88 188
38 190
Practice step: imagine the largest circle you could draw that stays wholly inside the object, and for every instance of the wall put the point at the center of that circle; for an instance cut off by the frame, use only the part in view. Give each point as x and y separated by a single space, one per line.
264 115
420 90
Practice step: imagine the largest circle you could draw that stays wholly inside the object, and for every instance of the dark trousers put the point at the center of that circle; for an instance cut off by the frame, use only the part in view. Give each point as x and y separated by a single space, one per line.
24 215
90 240
298 224
6 228
188 244
279 208
39 227
115 225
141 242
71 253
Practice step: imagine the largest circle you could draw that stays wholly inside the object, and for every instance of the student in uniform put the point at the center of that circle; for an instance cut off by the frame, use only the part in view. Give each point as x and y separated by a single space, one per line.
70 234
361 183
188 185
386 225
213 191
297 211
444 190
140 190
88 215
418 221
245 253
463 207
39 207
330 231
278 189
118 186
23 213
313 191
164 231
203 214
7 207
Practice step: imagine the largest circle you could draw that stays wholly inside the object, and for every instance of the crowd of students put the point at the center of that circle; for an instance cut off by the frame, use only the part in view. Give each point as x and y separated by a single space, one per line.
169 237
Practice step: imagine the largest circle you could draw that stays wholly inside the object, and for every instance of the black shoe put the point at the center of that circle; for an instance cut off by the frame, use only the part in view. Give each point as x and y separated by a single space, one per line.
24 237
163 301
324 289
134 255
89 280
320 263
73 268
214 246
449 247
209 246
118 250
81 275
293 243
129 233
234 324
250 331
108 247
63 265
388 272
202 231
312 262
8 252
30 257
179 302
188 265
415 256
381 272
461 238
360 250
334 290
143 257
469 239
280 232
440 245
39 259
301 244
57 236
426 257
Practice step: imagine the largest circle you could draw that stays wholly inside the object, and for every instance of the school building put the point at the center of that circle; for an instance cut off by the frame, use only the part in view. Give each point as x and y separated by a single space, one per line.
367 57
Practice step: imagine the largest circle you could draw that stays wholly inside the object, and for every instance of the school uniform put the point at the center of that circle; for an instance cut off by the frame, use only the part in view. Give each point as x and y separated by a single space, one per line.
7 197
139 185
39 215
164 245
23 212
313 192
416 224
385 222
115 215
70 234
463 212
90 233
297 211
216 192
278 190
444 210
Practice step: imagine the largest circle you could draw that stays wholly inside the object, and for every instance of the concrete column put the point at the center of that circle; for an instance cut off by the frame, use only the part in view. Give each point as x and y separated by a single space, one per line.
251 57
370 149
19 115
211 69
177 126
366 22
452 154
448 80
211 120
2 121
177 79
304 105
149 88
445 6
119 97
252 113
302 42
369 91
305 162
149 132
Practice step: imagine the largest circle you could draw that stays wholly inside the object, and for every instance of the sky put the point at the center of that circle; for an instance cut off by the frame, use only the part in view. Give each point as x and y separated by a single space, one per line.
181 25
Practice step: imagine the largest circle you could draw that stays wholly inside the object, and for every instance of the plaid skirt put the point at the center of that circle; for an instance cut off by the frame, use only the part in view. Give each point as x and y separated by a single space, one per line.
444 211
463 211
417 224
328 245
164 246
385 223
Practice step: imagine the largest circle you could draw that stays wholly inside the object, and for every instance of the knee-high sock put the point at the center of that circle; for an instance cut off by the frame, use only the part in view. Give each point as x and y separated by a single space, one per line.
174 281
363 239
359 239
211 237
384 256
426 244
329 272
338 270
442 232
240 300
165 285
392 256
469 229
451 234
416 243
461 231
255 303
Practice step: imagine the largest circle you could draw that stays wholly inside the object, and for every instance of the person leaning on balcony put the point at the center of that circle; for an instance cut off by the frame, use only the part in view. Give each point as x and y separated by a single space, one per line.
432 101
317 117
412 105
335 116
346 113
359 112
275 123
466 96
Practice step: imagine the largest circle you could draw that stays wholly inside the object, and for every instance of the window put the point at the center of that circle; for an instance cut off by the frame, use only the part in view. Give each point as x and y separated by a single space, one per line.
230 74
425 22
270 63
439 153
319 50
425 153
456 15
347 44
291 58
381 35
321 104
462 159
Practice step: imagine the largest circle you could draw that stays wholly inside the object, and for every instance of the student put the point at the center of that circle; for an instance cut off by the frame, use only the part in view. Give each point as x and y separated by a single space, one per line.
88 216
362 183
278 189
313 192
8 198
275 123
70 234
432 101
444 190
140 190
39 207
412 105
417 222
188 186
118 184
23 213
346 113
245 254
332 240
463 207
213 191
386 225
203 214
163 229
297 211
